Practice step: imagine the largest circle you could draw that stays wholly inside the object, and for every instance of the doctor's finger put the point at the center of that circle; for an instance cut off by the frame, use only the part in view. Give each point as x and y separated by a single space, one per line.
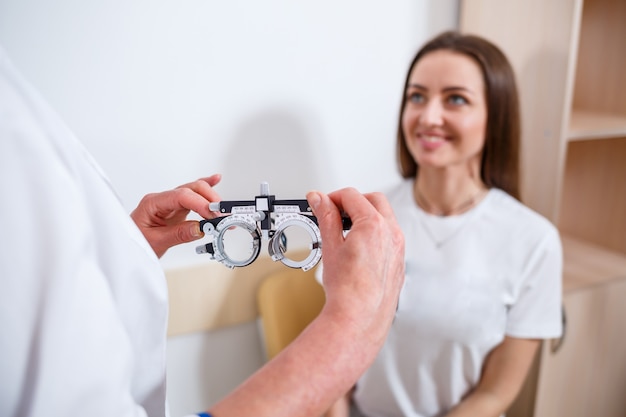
170 205
328 217
204 187
187 199
354 204
381 204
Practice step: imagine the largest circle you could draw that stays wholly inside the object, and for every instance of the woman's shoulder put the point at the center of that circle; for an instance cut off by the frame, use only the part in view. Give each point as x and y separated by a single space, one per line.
511 213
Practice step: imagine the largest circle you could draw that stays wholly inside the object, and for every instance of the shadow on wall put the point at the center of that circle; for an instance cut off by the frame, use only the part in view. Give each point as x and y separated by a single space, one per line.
276 146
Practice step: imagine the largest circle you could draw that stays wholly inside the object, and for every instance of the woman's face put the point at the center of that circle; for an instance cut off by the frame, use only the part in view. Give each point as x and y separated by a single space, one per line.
445 115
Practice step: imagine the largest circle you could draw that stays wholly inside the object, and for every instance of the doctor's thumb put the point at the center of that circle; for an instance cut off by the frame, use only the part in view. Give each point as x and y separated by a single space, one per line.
189 231
184 232
161 238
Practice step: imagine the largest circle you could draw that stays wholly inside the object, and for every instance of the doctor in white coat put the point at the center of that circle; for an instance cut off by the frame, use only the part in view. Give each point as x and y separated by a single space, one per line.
83 299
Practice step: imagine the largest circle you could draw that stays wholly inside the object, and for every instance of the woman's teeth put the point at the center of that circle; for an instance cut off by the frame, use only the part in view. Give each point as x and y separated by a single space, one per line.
432 138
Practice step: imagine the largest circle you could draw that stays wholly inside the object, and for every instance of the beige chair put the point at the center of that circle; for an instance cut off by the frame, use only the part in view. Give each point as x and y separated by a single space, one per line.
288 301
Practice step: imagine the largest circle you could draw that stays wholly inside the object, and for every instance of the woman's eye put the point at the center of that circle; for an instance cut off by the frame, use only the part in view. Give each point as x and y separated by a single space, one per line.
416 98
457 100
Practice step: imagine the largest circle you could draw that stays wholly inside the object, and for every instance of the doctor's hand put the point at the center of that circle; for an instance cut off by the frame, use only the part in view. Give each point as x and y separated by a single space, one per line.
162 217
363 269
363 275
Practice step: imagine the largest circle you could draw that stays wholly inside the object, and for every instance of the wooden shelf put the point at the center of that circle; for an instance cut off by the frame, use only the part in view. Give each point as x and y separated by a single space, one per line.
585 125
586 264
570 67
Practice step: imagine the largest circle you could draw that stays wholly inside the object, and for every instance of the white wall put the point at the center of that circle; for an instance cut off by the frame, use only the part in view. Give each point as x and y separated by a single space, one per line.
301 94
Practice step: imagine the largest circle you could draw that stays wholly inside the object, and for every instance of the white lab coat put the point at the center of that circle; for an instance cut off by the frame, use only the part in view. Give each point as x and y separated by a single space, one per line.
83 299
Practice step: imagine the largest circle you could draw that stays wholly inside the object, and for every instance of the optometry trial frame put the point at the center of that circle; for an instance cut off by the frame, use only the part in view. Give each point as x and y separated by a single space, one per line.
264 218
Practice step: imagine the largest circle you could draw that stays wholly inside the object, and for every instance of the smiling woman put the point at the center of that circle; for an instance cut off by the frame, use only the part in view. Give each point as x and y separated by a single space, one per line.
493 87
444 117
483 282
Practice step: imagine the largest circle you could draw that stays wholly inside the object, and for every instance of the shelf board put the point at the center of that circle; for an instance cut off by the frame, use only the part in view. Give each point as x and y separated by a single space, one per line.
585 125
586 264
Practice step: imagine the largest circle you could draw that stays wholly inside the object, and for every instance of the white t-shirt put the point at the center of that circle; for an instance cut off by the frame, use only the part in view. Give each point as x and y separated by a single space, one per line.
83 299
471 280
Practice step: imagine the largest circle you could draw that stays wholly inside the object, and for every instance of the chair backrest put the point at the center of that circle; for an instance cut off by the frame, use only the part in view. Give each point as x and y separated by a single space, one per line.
288 301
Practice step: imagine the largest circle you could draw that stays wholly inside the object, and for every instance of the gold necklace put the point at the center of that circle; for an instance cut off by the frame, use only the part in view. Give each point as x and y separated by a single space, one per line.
464 206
